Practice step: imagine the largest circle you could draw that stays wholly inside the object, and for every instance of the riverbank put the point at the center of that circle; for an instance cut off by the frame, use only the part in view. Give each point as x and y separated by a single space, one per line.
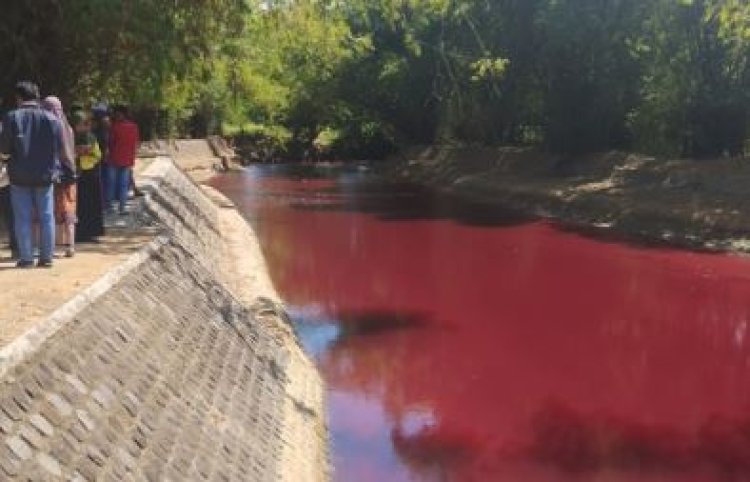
687 203
162 352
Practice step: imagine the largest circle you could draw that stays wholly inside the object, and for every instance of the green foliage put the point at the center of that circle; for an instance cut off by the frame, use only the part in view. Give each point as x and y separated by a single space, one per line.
670 77
694 99
277 134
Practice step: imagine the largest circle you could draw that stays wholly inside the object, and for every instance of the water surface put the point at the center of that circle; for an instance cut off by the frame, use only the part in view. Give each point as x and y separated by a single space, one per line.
462 343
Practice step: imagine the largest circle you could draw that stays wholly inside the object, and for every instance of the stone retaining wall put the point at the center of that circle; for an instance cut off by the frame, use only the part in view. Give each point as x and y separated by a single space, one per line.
160 371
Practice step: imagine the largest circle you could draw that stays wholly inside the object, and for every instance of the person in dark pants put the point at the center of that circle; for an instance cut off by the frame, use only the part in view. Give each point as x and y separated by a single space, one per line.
100 126
7 213
6 210
88 162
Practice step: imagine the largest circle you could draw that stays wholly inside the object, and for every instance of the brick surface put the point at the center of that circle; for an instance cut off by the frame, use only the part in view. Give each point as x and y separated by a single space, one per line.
166 376
198 401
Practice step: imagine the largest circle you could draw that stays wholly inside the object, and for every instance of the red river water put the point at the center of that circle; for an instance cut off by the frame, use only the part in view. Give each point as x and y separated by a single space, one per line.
464 344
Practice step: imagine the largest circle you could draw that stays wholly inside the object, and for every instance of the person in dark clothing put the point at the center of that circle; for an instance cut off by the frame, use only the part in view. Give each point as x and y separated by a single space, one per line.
7 214
100 126
101 122
6 210
33 139
90 197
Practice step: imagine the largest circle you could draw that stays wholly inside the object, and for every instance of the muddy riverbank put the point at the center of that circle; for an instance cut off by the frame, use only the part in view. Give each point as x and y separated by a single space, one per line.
697 204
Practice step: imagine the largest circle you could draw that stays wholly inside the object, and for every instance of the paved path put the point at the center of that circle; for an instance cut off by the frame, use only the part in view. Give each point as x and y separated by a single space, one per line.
29 296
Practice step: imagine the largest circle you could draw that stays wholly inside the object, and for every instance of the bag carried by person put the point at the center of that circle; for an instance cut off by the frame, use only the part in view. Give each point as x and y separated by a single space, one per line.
89 154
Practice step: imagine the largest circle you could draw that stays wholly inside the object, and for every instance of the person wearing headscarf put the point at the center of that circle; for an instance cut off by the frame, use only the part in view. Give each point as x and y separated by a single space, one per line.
66 197
90 199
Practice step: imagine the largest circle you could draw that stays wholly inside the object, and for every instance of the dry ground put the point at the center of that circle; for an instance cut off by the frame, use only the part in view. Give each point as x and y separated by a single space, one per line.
30 295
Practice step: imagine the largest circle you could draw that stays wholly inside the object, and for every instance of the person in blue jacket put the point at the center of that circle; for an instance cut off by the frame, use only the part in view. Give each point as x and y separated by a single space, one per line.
32 137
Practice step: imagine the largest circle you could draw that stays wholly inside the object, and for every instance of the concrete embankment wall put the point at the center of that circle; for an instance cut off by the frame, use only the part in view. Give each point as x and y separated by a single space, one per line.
171 367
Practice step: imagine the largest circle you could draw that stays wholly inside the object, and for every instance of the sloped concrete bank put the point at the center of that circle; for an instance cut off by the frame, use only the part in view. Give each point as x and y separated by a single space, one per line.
688 203
177 365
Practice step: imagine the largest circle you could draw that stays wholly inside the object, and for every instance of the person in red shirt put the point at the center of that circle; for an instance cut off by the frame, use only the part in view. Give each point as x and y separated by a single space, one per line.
123 146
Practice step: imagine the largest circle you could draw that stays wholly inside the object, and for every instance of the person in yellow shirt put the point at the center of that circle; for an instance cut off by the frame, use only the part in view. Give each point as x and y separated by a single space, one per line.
90 196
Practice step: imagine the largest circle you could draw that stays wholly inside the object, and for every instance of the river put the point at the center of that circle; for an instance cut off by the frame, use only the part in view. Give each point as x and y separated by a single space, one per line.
460 343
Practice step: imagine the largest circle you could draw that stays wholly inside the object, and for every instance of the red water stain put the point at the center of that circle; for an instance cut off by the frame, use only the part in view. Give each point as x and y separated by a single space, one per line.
488 348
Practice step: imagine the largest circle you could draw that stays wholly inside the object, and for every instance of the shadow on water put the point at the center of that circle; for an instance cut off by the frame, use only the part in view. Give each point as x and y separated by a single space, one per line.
320 334
379 322
359 190
411 202
576 443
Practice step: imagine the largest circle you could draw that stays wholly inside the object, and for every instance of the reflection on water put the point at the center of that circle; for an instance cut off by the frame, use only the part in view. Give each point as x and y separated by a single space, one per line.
316 332
470 344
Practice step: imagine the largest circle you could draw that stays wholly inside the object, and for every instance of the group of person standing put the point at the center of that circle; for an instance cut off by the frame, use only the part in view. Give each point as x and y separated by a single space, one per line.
64 171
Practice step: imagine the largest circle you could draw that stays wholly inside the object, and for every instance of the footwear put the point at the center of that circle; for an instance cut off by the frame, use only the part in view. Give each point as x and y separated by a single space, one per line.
24 264
44 263
70 252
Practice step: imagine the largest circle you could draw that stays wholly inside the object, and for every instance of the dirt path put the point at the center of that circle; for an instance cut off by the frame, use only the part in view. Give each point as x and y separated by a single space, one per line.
28 296
31 295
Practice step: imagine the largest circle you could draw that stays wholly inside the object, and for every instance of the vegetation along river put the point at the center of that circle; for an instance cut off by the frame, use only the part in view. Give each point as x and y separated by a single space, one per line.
465 344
